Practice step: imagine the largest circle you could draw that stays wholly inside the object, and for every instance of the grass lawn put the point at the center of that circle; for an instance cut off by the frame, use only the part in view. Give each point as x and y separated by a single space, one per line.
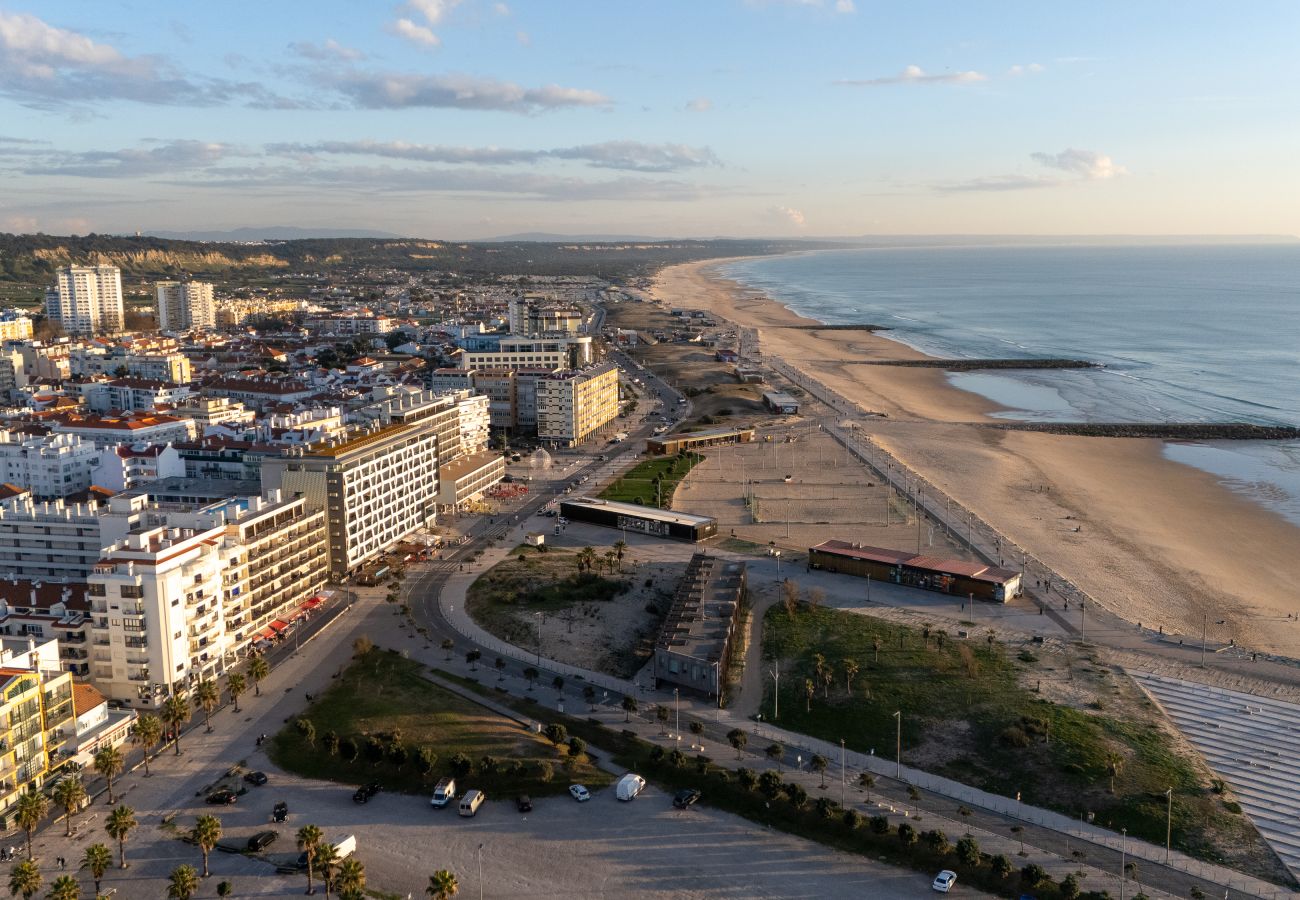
384 697
968 714
638 485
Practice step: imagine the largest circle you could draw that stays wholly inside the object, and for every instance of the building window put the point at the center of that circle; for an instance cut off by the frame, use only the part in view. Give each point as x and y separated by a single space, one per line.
132 591
95 590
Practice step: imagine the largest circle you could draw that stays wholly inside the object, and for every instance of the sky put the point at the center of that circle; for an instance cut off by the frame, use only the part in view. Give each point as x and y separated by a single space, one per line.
464 119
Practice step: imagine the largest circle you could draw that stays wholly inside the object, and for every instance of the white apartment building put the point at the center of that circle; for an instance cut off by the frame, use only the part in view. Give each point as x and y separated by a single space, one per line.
376 485
208 412
574 405
15 327
185 306
156 614
350 326
162 365
133 394
135 428
56 541
515 352
131 465
50 466
474 420
87 300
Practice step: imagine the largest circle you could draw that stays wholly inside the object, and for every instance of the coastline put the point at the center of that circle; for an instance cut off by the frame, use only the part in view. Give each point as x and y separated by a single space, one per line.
1160 542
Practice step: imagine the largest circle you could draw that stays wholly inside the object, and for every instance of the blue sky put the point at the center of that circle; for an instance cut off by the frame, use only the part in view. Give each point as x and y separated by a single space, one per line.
715 117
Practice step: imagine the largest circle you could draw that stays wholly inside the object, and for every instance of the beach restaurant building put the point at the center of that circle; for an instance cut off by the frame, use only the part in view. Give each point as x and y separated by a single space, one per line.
671 445
642 519
948 576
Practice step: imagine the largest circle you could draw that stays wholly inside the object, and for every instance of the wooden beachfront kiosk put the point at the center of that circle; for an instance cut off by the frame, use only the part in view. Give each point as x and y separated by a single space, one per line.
948 576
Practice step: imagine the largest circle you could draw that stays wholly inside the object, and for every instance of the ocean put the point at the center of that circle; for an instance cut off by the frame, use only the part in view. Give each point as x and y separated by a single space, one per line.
1205 333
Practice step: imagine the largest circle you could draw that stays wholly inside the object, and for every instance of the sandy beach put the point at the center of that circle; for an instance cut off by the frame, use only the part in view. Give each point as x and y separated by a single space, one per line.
1157 542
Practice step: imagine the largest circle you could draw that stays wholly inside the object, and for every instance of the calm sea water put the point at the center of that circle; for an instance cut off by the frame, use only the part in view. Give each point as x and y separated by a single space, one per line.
1188 333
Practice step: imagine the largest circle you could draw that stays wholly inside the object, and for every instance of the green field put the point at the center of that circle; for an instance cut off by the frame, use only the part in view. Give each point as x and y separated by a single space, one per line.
639 484
384 697
969 712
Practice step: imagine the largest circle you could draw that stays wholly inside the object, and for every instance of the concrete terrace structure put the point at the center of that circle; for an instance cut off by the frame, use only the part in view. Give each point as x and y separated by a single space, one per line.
670 445
697 639
87 300
947 576
1252 742
375 486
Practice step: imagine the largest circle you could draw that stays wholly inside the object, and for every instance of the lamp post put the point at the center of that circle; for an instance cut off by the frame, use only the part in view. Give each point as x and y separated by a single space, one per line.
1169 821
677 711
776 690
1123 845
480 872
539 638
1205 622
842 782
868 587
898 745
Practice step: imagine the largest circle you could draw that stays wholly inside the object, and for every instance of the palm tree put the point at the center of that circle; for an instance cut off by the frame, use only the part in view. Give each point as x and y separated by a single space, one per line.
737 738
25 879
868 781
629 707
98 859
69 794
207 697
809 689
819 666
119 825
206 833
309 838
235 685
611 560
620 547
109 763
145 734
258 670
65 887
442 885
183 883
875 648
352 879
31 808
818 764
327 857
850 672
176 712
1114 764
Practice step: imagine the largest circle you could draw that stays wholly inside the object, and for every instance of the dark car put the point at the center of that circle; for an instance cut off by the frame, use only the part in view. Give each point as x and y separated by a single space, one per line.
223 797
261 841
366 792
257 778
684 799
281 812
523 803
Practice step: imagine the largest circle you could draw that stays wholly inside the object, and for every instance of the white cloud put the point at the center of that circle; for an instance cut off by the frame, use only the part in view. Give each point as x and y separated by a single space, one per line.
388 90
501 9
632 156
699 104
167 157
999 183
1085 164
416 34
839 6
1031 69
433 10
845 6
524 39
329 50
915 75
794 216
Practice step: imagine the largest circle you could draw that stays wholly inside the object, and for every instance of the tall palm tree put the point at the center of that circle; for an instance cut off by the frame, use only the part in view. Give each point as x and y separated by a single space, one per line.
25 879
352 879
145 734
235 685
109 763
65 887
207 697
258 670
31 808
620 547
851 668
309 838
183 883
98 859
809 689
206 833
442 885
176 712
69 794
119 825
327 857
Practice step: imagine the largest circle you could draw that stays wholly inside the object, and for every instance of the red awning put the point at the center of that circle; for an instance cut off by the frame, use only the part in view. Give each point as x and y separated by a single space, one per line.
313 603
279 626
267 633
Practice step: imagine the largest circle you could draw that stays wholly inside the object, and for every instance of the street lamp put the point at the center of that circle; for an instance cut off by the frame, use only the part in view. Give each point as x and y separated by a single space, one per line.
1169 821
1205 621
539 637
480 872
776 690
677 710
898 745
841 771
1123 845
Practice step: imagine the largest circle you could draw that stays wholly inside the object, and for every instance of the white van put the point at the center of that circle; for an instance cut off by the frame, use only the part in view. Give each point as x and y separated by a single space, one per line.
470 803
629 786
443 793
343 849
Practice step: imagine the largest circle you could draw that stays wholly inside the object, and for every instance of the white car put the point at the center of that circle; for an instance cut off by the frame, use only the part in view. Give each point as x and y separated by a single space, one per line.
582 795
944 881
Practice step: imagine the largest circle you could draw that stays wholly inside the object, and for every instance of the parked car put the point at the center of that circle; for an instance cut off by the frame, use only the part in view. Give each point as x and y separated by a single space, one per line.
579 792
223 797
281 812
523 803
443 793
261 841
257 778
366 792
686 798
944 881
470 803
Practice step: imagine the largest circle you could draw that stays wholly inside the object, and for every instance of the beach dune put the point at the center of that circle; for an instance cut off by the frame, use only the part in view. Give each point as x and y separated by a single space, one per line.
1154 541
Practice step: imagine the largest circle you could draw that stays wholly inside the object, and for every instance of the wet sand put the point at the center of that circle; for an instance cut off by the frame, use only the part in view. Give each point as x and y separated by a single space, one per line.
1158 542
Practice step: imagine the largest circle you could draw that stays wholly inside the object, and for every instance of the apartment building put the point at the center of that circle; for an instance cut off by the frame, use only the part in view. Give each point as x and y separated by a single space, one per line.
208 412
350 325
133 395
235 312
376 485
37 721
46 610
130 428
464 480
53 540
573 405
130 465
49 466
259 392
515 352
533 315
409 407
87 300
185 306
15 327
